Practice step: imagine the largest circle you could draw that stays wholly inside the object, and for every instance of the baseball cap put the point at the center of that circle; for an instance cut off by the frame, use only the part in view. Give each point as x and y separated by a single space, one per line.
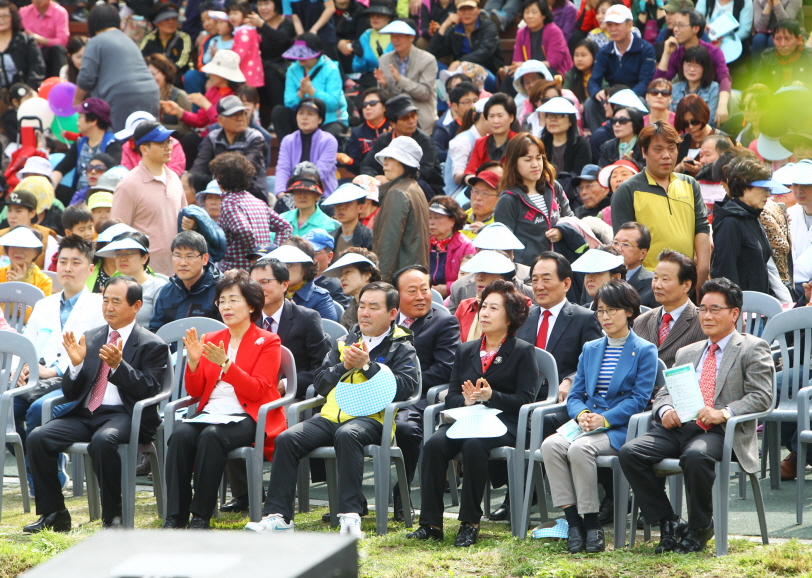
673 6
158 134
23 198
230 105
490 178
462 3
260 250
588 173
132 123
320 239
618 14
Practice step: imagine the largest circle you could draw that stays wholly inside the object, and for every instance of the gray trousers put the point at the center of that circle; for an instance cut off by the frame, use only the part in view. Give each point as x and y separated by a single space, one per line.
572 471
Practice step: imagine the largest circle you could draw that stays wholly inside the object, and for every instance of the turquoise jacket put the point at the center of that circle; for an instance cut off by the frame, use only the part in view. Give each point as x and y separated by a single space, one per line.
318 220
326 79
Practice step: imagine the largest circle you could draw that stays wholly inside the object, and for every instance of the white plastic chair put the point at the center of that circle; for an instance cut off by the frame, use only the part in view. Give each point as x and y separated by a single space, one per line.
15 299
56 286
436 297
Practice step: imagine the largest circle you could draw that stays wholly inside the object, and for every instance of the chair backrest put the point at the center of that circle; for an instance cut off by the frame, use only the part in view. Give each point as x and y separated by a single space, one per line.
334 331
644 309
435 305
436 297
15 299
757 310
547 370
793 332
173 333
56 286
14 345
339 309
287 368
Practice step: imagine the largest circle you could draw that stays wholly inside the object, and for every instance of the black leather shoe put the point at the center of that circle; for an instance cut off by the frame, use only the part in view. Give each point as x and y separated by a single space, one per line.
501 513
670 535
576 539
199 523
112 524
56 521
236 505
695 540
606 514
594 541
426 532
175 523
144 468
466 535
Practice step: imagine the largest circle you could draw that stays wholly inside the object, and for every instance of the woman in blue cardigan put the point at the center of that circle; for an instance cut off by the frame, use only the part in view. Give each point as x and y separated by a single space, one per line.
614 381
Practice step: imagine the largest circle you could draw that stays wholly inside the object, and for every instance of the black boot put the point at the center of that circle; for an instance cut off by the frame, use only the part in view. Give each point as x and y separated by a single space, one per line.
501 513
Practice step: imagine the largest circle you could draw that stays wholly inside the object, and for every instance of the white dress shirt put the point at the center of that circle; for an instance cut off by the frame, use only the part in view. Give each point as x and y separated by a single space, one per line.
275 318
111 395
674 314
555 311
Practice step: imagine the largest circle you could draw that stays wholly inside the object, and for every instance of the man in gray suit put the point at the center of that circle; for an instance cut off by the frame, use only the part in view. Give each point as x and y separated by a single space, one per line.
409 70
675 323
735 372
634 240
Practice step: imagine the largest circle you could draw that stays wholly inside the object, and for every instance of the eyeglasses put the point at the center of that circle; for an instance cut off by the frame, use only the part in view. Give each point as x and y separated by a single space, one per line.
680 25
555 115
694 122
370 103
126 254
179 257
605 312
692 65
621 120
468 103
623 245
266 282
481 193
713 309
95 168
659 92
230 302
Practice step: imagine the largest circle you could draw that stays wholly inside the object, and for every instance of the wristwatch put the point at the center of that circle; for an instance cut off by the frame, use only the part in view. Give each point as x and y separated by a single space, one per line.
366 367
726 414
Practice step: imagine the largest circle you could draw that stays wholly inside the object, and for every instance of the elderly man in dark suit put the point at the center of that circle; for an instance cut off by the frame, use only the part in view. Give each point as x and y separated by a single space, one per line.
634 240
436 337
111 368
301 331
735 373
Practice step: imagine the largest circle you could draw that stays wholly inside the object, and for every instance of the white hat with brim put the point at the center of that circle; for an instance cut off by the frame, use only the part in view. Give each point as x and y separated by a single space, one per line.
21 237
627 97
225 64
346 193
488 262
403 149
529 67
597 261
132 123
770 148
618 14
479 106
218 15
289 254
558 105
114 231
121 245
334 270
497 237
398 27
784 174
36 166
446 74
799 174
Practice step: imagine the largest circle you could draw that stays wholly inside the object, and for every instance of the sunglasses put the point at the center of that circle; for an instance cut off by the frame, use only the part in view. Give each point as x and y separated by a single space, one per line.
96 168
695 122
621 120
370 103
659 92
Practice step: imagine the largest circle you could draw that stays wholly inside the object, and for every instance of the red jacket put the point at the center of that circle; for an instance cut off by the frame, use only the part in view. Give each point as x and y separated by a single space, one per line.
480 154
254 383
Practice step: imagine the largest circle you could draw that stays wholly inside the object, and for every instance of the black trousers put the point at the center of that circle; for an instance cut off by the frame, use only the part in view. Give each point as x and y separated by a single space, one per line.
698 451
438 451
284 123
55 58
409 436
348 438
199 452
104 429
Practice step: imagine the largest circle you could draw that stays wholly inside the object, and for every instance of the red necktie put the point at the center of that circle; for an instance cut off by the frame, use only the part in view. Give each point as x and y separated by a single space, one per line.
97 395
407 322
707 382
541 339
664 329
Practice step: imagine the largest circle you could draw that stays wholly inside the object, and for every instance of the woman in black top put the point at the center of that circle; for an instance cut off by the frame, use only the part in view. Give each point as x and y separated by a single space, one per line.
276 35
626 125
567 150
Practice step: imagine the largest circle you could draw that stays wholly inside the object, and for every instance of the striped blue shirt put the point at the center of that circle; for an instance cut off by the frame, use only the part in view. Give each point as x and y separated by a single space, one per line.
610 358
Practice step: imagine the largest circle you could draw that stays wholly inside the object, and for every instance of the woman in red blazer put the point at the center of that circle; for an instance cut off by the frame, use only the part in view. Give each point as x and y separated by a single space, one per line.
233 372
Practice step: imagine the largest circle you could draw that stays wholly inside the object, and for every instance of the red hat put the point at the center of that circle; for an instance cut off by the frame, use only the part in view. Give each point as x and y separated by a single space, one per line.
606 172
490 178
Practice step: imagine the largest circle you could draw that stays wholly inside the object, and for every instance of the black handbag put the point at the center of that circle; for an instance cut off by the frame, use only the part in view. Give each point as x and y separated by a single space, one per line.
44 386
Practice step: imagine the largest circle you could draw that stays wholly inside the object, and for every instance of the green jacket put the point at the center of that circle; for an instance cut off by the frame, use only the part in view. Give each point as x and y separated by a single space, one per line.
772 73
318 220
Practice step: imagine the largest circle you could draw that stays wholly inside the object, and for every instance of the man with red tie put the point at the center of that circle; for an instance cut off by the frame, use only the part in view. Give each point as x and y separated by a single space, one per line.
112 367
735 373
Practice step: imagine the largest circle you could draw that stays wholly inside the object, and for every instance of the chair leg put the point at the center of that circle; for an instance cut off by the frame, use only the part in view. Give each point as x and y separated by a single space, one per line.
524 513
77 473
799 483
765 447
303 485
541 492
382 469
254 490
452 483
633 523
742 486
759 500
127 487
332 489
720 508
20 456
621 488
158 482
405 491
675 487
775 455
93 494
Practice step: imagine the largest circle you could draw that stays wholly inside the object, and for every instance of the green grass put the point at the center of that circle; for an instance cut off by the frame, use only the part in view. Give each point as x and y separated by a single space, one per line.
496 554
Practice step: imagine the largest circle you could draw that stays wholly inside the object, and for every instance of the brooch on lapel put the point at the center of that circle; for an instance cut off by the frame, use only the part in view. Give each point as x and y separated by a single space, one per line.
259 341
498 360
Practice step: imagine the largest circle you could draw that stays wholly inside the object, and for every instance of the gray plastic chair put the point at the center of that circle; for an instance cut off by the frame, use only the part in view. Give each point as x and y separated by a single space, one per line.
334 331
339 309
436 297
253 455
15 299
644 309
382 454
804 438
15 345
173 333
56 286
725 468
757 310
128 452
794 326
435 305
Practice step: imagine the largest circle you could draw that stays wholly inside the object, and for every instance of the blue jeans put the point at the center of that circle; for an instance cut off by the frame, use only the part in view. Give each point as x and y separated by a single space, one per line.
759 43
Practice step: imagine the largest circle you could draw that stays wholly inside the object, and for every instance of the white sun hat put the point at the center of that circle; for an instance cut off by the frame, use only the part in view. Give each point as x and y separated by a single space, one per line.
498 237
289 254
597 261
488 262
121 245
21 237
334 270
114 231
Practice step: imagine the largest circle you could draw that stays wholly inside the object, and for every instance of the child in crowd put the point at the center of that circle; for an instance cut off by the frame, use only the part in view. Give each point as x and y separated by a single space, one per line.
16 95
224 39
246 42
599 35
373 204
100 204
76 220
194 80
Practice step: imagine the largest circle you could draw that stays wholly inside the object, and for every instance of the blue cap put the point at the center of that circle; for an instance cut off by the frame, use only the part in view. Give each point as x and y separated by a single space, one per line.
261 249
158 134
588 173
320 239
775 187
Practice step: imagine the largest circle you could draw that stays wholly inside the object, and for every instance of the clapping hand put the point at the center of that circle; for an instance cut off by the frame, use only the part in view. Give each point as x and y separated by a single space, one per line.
215 353
111 354
76 350
194 348
394 72
380 77
474 393
356 356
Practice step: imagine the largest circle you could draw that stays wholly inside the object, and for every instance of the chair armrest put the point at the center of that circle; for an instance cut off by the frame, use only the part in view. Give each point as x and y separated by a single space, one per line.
262 417
295 409
169 413
637 421
430 419
434 392
524 415
138 410
8 396
730 429
802 397
48 407
389 418
537 421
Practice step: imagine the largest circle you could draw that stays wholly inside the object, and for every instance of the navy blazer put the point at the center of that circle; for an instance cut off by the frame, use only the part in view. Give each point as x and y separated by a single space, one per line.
574 327
513 376
436 338
629 390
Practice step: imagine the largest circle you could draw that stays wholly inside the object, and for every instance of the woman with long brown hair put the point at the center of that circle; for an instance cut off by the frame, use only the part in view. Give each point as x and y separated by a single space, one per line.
532 201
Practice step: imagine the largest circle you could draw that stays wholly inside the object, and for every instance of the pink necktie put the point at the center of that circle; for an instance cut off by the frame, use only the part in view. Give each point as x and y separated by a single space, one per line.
407 322
707 382
664 328
97 395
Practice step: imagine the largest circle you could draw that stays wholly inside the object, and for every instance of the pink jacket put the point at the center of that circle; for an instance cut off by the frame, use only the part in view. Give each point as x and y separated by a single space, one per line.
246 44
459 247
130 158
203 118
553 43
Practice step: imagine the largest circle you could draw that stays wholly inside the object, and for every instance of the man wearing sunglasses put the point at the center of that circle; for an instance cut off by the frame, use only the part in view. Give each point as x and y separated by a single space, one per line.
688 24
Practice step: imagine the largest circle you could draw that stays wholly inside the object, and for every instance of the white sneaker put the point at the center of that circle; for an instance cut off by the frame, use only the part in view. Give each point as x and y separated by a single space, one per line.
351 525
271 523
